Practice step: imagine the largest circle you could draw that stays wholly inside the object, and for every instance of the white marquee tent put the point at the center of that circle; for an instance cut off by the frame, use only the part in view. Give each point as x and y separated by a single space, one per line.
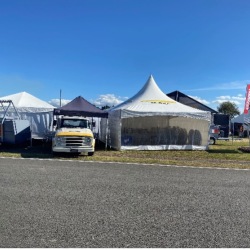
38 112
151 120
243 118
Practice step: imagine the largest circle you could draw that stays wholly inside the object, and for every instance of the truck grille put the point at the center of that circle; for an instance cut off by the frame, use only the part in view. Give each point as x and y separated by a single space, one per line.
78 141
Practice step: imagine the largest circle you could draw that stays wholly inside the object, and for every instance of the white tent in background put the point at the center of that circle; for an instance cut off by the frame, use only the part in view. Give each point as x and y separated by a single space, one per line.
238 121
38 112
151 120
243 118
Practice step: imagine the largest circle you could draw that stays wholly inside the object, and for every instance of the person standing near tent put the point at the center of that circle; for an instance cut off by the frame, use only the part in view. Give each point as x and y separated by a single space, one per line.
241 130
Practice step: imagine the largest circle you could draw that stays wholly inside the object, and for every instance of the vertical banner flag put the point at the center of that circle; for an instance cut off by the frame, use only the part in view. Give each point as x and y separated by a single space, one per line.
247 101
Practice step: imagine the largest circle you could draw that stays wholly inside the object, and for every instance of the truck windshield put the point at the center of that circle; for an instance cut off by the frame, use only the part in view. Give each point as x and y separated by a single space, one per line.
75 123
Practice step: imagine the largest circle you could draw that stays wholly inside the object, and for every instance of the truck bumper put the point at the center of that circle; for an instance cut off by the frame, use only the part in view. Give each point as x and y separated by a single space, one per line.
72 150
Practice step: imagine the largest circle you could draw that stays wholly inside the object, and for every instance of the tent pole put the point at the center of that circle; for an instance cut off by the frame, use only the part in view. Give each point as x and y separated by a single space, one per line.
31 133
233 134
106 137
248 133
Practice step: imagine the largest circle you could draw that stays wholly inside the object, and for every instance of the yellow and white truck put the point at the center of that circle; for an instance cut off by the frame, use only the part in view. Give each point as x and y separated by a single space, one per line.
73 135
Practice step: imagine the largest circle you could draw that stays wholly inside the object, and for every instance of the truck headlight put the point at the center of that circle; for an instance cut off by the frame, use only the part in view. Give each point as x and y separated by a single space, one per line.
58 140
88 141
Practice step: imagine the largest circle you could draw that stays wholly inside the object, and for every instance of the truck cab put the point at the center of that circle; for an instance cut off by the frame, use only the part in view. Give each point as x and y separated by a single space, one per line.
73 135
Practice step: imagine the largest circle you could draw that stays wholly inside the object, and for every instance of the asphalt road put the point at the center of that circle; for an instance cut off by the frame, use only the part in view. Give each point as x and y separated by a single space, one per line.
51 203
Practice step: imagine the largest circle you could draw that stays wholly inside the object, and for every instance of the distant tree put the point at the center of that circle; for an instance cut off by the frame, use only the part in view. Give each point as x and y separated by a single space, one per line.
228 108
105 107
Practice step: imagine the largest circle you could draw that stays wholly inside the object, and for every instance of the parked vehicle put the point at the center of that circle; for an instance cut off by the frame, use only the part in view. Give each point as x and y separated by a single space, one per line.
214 134
73 135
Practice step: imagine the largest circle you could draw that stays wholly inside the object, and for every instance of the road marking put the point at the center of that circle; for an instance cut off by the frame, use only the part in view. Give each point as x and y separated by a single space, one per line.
126 163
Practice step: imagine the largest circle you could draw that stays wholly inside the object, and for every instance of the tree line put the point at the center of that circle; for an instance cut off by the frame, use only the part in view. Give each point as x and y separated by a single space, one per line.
228 108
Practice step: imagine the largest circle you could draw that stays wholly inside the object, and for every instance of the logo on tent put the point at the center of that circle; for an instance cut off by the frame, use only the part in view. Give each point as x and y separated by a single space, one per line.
159 101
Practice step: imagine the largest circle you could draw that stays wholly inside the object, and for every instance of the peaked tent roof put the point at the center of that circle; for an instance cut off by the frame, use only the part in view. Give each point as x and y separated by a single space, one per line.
151 101
80 106
26 102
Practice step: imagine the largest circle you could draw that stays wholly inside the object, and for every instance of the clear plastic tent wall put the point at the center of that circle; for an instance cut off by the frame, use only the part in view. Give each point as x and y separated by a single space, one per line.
152 121
156 133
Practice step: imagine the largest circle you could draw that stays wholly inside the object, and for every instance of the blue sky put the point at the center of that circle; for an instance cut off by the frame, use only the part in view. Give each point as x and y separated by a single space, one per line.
105 50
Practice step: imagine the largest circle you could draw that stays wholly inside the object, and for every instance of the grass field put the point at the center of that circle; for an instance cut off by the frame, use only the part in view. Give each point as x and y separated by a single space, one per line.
224 154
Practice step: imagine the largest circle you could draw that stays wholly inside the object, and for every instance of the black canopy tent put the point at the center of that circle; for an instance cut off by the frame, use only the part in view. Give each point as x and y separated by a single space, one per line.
80 107
218 119
187 100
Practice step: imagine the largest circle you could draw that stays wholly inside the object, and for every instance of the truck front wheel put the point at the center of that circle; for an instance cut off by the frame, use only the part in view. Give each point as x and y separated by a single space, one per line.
90 153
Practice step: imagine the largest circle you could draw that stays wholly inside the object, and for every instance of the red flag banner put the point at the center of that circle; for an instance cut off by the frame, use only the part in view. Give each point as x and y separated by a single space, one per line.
247 101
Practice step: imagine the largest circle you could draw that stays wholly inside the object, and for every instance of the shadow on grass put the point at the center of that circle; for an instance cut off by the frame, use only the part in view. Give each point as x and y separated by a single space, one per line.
223 151
230 150
38 149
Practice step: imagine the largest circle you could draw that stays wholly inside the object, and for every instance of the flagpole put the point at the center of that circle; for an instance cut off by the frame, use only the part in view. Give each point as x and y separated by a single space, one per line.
60 98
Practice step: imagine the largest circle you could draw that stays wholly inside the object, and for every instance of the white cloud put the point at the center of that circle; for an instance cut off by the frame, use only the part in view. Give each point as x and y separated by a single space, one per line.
224 97
219 101
239 100
200 100
109 100
224 86
56 102
103 100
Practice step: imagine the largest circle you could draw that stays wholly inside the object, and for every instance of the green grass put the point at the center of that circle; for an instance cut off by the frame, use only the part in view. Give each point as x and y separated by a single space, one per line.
224 154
